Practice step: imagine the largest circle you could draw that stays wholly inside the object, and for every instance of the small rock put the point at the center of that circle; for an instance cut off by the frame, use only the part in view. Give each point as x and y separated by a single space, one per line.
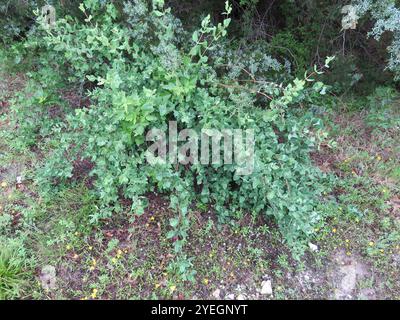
241 297
266 287
217 294
230 296
312 247
48 278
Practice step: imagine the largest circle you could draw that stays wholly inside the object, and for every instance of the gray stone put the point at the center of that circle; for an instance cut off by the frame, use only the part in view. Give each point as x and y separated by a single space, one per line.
266 287
48 278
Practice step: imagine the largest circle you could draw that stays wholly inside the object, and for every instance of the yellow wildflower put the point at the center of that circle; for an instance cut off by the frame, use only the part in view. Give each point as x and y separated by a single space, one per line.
4 184
172 289
205 281
94 293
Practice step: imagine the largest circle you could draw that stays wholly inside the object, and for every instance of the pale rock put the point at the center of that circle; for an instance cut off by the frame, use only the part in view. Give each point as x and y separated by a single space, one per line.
217 294
266 288
312 247
48 278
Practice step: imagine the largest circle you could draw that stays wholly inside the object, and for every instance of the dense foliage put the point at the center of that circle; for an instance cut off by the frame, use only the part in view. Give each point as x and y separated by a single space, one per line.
386 16
135 85
137 67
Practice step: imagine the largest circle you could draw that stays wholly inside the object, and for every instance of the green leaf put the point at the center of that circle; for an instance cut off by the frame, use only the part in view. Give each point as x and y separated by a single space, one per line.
174 222
171 234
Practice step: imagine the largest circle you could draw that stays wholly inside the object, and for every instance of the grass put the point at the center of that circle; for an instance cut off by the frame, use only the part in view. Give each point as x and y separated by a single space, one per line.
12 271
127 257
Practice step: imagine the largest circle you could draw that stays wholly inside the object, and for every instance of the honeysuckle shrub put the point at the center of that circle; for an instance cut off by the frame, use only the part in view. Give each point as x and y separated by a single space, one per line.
145 71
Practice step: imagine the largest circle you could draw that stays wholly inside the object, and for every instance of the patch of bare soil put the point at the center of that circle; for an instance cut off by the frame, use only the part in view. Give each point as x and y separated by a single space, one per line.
345 274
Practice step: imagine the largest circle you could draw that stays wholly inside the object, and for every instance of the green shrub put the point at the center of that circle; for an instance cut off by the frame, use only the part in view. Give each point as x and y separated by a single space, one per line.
284 44
143 75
